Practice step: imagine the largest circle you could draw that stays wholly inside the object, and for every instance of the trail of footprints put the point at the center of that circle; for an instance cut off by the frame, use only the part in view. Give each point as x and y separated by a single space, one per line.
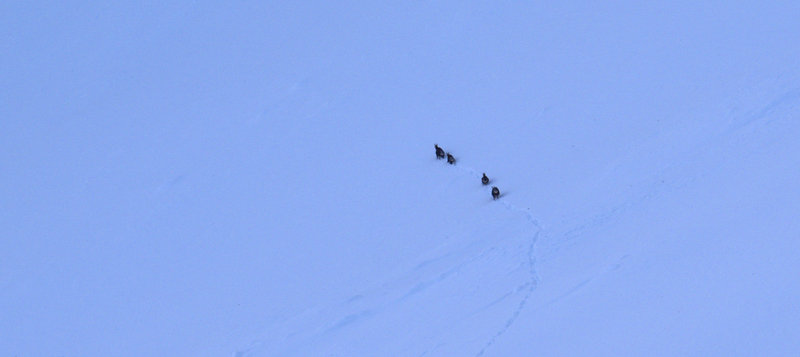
530 285
441 154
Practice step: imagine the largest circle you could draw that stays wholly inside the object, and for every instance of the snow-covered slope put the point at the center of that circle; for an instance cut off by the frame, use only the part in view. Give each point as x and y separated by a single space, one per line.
260 180
692 255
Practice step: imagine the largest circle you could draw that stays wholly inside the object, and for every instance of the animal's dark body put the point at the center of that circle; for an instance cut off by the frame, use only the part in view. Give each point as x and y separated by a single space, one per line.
450 159
495 193
439 152
484 179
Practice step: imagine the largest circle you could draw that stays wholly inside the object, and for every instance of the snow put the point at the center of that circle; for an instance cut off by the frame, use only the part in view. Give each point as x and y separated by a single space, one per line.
259 179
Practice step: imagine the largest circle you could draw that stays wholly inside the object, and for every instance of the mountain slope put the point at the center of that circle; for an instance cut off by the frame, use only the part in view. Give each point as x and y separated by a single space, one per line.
259 178
695 260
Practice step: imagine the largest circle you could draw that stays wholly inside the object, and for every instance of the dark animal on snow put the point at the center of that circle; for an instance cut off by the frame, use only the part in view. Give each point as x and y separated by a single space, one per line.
450 159
484 179
495 193
439 152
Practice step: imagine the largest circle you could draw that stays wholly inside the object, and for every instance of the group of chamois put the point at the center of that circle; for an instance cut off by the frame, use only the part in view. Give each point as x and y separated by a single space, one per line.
440 154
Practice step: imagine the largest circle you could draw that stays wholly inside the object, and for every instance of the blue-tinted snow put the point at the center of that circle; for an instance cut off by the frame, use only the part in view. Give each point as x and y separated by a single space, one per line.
259 179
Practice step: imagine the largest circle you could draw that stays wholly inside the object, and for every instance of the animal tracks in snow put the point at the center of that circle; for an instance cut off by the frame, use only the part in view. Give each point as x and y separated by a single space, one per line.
530 284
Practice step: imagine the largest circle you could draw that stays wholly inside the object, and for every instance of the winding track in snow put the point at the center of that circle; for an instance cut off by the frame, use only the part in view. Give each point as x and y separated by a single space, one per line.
531 284
533 279
788 100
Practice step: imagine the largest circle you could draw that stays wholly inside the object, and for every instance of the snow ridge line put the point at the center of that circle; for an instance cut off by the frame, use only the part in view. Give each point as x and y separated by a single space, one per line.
533 278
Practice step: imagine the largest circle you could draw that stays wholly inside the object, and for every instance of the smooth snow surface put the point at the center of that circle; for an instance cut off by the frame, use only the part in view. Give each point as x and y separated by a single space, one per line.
251 179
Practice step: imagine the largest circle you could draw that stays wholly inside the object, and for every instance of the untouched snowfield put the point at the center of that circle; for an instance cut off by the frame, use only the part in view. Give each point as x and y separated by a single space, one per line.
258 179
